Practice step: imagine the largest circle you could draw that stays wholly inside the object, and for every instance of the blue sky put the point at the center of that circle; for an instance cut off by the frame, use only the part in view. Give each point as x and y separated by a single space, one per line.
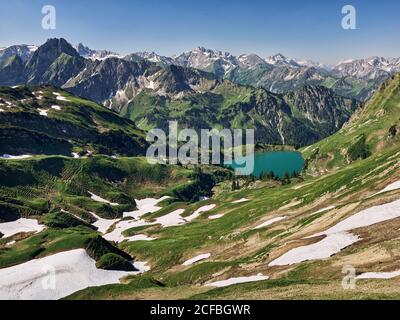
297 28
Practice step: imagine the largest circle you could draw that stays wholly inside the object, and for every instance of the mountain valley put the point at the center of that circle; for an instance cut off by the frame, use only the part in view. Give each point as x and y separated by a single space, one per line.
77 192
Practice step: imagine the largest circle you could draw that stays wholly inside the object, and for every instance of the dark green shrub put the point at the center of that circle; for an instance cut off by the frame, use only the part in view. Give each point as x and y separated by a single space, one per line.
359 150
97 247
111 261
201 186
392 131
64 220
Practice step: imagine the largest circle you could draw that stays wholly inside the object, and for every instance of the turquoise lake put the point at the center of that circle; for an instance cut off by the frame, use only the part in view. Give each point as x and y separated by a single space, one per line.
278 162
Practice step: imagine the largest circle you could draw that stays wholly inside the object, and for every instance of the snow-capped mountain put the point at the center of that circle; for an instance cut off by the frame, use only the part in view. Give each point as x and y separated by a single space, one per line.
281 74
88 53
156 58
23 51
206 59
314 64
369 69
251 61
280 60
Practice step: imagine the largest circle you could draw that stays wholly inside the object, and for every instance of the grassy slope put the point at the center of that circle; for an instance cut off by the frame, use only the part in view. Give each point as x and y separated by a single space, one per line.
373 121
79 126
238 250
41 184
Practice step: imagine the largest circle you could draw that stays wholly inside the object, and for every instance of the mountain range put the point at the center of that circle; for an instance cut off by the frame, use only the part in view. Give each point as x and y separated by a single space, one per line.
151 93
354 78
279 74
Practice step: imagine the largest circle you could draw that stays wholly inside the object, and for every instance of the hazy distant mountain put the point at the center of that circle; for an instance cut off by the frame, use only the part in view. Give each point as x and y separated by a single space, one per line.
310 63
23 51
154 57
368 69
280 60
88 53
214 61
280 74
251 61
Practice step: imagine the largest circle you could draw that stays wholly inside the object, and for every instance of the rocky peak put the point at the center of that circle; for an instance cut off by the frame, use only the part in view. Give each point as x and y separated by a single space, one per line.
53 63
88 53
251 61
280 59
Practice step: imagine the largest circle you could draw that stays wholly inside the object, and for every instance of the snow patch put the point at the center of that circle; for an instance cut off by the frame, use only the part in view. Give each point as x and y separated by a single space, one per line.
9 104
301 186
69 272
61 98
9 229
140 237
141 266
116 234
367 217
216 216
175 219
197 259
43 112
103 224
325 248
144 206
269 222
231 281
8 156
197 213
390 187
338 237
172 219
379 275
100 199
241 200
325 209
